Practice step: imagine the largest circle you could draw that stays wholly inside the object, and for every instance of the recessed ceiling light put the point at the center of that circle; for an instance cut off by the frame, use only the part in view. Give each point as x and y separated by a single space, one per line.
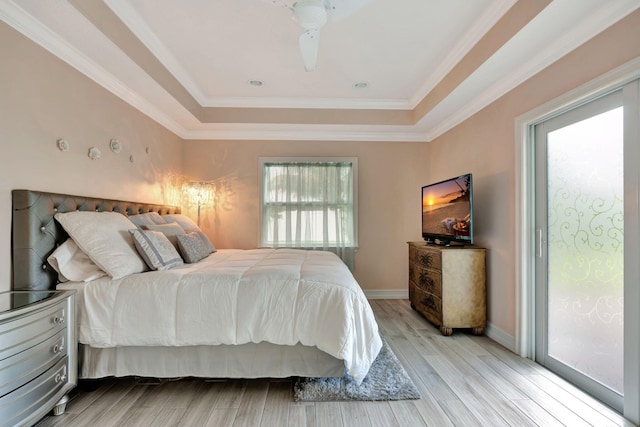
256 83
361 85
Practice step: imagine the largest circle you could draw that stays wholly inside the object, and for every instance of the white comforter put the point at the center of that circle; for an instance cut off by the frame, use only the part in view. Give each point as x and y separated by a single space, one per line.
282 296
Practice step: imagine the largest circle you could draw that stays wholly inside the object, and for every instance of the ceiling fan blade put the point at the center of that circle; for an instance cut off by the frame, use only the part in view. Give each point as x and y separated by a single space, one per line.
342 8
309 46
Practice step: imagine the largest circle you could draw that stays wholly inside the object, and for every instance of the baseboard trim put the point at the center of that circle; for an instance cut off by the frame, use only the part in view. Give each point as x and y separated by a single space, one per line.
387 294
500 336
491 331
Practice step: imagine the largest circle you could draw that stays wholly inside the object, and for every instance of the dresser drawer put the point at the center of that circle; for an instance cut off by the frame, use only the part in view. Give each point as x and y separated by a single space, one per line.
21 368
426 303
26 331
425 257
426 279
21 404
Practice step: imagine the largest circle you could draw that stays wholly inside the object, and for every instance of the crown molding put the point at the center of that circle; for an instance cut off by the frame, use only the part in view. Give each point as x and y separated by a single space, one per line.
600 20
136 24
23 22
608 14
132 19
284 133
470 39
39 33
318 103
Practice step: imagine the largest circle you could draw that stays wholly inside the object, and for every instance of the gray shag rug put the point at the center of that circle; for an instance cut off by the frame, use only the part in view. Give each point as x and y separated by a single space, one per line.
386 380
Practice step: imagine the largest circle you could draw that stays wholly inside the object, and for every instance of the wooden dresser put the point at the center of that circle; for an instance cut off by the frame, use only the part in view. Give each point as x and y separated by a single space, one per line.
38 354
447 286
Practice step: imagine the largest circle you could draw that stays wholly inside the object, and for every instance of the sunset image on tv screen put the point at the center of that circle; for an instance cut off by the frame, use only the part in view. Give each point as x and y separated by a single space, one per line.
446 208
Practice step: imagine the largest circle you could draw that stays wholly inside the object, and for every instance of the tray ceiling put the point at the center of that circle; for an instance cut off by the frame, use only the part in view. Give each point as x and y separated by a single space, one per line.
427 64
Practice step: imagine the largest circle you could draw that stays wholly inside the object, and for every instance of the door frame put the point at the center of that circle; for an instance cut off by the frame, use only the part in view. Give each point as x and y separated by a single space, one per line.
593 108
525 241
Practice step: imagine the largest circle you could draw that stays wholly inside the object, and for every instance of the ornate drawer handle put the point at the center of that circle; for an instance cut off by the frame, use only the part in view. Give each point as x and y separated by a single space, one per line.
58 348
59 378
426 281
58 320
425 259
429 302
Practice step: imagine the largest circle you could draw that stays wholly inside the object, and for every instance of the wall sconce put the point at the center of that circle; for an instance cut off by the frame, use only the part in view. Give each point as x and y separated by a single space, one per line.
198 193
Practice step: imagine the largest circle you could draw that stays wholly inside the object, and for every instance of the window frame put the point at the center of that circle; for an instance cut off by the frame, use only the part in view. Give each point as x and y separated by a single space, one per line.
324 159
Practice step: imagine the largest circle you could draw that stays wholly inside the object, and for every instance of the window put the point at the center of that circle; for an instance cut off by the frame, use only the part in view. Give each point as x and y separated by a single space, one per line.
309 203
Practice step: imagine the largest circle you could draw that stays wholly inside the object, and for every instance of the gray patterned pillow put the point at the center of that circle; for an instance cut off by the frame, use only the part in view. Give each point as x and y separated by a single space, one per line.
156 249
195 246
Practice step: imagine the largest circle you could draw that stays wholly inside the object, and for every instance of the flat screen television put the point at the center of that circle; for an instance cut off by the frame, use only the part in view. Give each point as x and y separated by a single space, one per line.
447 211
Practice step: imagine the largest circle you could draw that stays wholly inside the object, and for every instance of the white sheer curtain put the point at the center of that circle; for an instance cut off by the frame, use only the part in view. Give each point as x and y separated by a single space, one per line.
310 205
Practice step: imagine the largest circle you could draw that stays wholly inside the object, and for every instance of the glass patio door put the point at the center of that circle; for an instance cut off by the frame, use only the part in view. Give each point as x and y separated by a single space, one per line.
580 247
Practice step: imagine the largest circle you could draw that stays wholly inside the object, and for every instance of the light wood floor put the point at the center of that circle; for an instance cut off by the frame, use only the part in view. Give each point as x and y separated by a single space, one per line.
464 381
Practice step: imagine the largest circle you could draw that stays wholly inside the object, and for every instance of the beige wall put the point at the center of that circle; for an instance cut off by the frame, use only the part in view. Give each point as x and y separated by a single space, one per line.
41 100
390 176
487 140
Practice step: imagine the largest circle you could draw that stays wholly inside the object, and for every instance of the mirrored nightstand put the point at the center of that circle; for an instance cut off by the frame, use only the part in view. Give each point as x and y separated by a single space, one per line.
38 354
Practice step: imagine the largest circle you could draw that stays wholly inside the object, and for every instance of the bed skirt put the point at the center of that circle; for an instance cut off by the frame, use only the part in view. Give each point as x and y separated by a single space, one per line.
263 360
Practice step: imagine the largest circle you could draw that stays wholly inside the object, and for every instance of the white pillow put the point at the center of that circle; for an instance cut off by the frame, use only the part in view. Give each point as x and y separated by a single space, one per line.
105 238
149 218
73 264
156 249
183 221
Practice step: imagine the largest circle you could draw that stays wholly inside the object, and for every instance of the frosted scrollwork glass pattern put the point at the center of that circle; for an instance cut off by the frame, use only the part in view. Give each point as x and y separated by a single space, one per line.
585 247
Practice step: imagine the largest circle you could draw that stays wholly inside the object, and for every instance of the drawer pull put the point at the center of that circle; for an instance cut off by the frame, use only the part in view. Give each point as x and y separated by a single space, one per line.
60 378
426 281
58 320
58 348
429 302
425 260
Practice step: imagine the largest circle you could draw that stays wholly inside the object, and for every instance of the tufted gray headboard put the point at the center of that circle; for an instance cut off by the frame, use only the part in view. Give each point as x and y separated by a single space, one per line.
35 234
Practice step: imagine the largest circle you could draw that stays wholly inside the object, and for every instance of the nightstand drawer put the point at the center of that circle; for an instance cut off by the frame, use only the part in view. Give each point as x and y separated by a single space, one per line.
21 403
26 331
25 366
426 279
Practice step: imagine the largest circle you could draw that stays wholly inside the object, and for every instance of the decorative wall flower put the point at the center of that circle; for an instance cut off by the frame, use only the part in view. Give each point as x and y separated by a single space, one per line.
63 145
94 153
115 146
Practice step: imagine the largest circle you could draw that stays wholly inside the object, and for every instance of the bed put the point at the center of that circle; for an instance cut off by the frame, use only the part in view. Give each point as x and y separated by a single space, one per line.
273 313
